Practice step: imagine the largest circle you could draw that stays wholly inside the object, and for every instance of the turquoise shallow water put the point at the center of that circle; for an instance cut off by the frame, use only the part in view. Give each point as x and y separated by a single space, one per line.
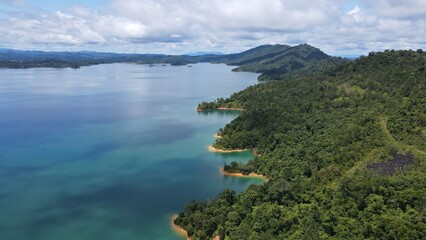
110 151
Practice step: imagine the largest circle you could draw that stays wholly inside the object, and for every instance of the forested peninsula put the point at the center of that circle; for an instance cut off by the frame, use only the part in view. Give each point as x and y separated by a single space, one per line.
343 147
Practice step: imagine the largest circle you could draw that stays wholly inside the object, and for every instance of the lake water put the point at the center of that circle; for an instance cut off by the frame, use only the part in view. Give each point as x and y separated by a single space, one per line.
110 151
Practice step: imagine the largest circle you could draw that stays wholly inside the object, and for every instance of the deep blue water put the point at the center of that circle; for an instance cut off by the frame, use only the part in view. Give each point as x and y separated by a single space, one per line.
110 151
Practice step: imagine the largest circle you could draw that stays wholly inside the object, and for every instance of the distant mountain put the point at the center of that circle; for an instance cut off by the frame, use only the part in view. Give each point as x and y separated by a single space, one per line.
22 55
279 61
10 58
275 62
254 55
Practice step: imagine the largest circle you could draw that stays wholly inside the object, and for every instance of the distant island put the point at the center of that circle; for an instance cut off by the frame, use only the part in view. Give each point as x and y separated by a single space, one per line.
275 62
10 58
342 143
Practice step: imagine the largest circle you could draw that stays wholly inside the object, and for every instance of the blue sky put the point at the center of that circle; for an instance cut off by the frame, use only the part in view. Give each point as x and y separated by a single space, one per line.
349 5
95 4
53 5
339 27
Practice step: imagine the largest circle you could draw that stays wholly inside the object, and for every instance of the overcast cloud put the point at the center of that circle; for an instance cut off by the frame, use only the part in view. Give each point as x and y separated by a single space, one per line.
179 26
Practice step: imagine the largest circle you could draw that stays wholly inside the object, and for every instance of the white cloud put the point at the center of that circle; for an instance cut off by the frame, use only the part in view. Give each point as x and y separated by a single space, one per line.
398 8
355 14
59 28
220 25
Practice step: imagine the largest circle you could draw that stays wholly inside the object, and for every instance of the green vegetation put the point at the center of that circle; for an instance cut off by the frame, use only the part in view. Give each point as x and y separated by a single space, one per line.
344 151
254 55
285 61
219 103
275 62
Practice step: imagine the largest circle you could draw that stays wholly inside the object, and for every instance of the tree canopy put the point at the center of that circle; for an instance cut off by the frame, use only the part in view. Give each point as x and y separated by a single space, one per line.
323 141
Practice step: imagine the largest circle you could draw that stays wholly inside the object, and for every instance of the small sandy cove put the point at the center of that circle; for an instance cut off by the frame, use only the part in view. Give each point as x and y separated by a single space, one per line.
182 231
213 149
232 109
179 229
253 175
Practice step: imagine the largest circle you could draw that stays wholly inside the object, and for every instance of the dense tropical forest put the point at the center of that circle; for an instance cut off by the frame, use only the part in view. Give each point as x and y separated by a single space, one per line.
344 150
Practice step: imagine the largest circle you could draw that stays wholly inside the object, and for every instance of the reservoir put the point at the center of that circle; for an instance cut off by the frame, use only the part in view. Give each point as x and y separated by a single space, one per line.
110 151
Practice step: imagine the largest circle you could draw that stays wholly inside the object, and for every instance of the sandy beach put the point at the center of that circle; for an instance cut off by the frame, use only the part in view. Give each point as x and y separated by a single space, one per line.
182 231
179 229
253 175
234 109
222 109
217 136
213 149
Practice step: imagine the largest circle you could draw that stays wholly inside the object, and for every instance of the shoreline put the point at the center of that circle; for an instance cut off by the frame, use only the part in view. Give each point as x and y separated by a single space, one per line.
221 109
232 109
178 229
251 175
181 231
213 149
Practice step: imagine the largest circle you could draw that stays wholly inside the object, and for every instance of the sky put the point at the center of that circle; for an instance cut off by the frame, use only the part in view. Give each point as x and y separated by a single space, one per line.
338 27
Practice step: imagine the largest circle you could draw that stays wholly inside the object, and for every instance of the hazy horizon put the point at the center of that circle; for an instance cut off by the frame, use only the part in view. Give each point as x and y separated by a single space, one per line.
199 53
339 28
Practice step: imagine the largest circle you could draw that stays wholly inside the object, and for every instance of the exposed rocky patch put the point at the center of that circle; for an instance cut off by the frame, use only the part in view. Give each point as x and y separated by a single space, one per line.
399 162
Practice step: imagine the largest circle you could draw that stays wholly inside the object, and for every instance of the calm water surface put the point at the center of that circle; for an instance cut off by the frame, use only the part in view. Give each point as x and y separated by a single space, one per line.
110 151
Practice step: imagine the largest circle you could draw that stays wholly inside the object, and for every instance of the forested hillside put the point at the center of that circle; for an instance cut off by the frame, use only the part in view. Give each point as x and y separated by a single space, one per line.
344 151
254 55
302 59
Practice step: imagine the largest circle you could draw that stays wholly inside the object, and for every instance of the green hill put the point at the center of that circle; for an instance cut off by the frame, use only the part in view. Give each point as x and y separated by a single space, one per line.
344 151
285 61
278 62
255 55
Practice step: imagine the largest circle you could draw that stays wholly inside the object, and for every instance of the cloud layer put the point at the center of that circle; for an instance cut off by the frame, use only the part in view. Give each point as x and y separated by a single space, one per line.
166 26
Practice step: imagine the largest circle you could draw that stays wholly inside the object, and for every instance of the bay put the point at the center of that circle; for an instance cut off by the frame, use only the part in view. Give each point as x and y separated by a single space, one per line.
110 151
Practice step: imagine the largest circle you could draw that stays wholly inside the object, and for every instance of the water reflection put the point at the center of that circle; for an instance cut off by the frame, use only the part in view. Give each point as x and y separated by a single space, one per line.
110 151
220 113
